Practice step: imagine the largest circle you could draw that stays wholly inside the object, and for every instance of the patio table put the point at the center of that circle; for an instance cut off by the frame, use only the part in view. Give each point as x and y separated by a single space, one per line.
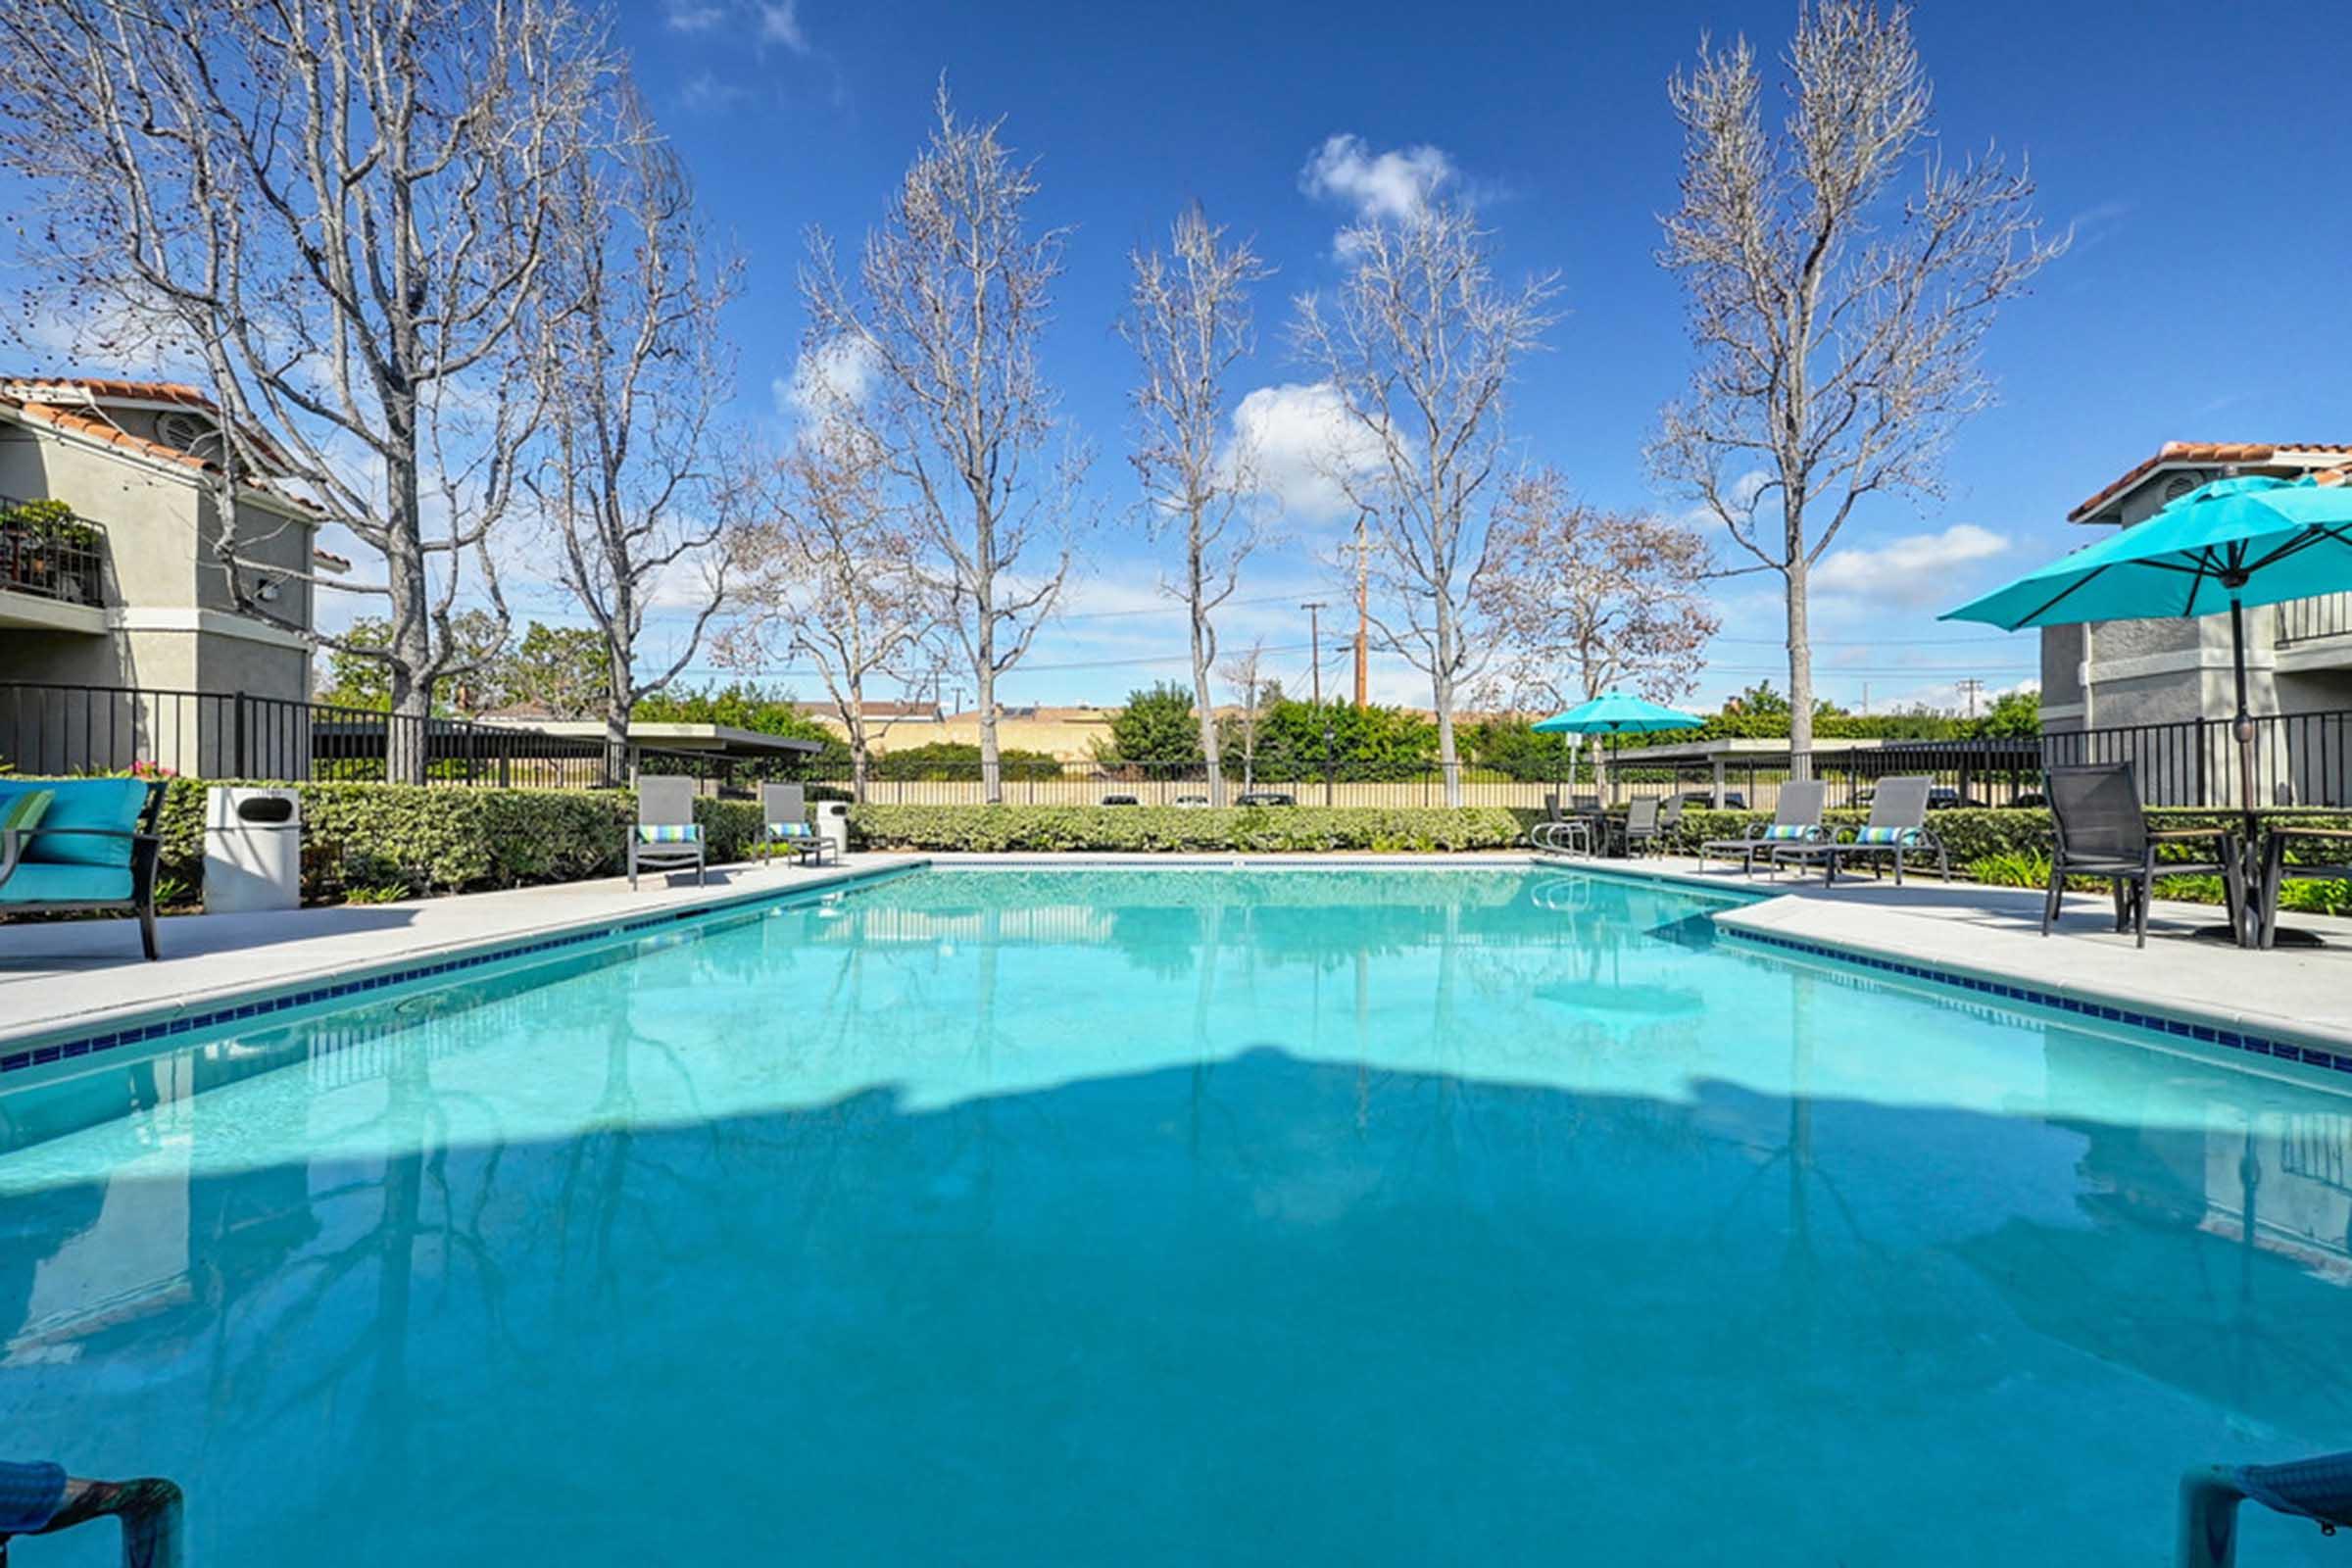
2272 873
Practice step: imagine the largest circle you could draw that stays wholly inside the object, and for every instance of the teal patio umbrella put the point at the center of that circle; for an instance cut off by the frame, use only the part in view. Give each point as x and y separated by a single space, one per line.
1613 715
2220 546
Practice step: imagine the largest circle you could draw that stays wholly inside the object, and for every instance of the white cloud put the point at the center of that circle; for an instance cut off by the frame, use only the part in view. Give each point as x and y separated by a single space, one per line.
1301 443
837 372
693 16
1914 569
780 22
1396 184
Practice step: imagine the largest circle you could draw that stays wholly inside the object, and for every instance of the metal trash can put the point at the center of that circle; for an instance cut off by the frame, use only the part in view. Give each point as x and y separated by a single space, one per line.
833 826
252 849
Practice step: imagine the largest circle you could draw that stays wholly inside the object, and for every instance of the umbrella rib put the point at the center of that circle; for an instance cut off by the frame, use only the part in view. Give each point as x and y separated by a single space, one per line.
2036 614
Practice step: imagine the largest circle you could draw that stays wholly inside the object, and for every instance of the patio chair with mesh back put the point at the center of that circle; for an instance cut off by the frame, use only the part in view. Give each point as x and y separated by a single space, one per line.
1897 826
2099 831
1796 819
1640 825
667 838
785 825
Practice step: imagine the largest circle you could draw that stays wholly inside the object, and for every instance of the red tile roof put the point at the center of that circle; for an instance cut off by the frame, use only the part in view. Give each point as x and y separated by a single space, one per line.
60 401
2172 454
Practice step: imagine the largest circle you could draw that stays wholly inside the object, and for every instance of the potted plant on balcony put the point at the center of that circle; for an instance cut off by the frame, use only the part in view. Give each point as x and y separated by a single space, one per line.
42 538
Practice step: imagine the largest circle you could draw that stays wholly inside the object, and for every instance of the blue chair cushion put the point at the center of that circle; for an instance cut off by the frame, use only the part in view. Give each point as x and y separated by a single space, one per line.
790 830
114 804
1787 832
670 832
37 883
1887 835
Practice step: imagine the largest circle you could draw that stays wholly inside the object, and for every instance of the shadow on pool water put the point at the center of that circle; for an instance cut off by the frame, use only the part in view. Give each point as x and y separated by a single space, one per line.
1260 1309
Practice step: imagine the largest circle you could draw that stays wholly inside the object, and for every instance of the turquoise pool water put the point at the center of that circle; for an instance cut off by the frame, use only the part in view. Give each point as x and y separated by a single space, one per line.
1095 1216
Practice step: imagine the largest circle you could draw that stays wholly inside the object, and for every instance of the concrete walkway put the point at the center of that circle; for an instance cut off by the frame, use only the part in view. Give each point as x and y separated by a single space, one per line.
84 974
1996 934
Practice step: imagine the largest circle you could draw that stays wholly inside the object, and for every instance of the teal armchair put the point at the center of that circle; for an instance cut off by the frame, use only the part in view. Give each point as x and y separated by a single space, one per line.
93 847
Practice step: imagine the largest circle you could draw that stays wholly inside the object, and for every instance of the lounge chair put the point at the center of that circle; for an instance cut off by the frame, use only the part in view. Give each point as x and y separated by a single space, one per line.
74 845
784 815
1796 820
666 837
1897 826
2099 831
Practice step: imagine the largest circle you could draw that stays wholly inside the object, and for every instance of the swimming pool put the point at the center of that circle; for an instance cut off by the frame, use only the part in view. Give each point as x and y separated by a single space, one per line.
1117 1215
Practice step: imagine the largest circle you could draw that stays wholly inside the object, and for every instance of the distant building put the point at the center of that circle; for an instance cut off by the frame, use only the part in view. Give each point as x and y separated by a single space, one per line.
2122 673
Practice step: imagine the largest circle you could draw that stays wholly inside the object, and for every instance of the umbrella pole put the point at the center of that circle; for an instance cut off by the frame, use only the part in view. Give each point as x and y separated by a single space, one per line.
2243 728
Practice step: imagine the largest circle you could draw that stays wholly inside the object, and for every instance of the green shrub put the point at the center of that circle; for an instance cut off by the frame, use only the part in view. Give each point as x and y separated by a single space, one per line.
2011 868
420 839
1175 829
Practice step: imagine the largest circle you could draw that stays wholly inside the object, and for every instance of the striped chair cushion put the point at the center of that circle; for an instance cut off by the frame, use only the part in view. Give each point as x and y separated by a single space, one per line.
1787 830
790 830
24 811
670 832
1887 835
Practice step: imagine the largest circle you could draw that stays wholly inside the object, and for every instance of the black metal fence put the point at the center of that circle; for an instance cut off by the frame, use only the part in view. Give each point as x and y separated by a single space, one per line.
2300 760
47 729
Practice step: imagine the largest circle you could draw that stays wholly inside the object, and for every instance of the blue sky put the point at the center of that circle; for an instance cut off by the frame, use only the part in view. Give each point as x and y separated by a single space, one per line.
2192 151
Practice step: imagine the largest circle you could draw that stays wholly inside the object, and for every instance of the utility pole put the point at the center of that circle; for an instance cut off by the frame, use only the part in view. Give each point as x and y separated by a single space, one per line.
1972 685
1363 608
1314 635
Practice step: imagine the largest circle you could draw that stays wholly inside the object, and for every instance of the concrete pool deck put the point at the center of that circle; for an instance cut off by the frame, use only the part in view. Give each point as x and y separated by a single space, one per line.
1996 934
83 976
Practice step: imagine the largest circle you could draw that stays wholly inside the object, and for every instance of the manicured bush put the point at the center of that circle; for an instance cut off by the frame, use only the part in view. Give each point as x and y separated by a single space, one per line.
375 837
1172 829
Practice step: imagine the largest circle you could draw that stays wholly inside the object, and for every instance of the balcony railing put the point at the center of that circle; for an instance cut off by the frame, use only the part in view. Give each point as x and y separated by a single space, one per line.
49 553
2302 620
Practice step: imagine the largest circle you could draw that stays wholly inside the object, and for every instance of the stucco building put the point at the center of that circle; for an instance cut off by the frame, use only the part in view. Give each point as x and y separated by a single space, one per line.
113 582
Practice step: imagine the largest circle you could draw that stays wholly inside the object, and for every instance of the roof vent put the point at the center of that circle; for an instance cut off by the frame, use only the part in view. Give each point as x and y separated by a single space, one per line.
2180 484
188 432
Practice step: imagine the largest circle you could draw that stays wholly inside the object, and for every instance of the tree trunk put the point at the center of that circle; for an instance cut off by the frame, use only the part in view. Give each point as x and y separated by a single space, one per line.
1204 705
1800 673
1600 770
992 771
406 739
617 740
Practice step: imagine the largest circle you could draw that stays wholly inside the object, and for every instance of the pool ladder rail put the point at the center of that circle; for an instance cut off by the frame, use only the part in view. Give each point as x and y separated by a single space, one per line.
39 1500
2319 1489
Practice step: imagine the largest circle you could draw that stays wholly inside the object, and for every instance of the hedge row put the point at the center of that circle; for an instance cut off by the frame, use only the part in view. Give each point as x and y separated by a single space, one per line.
1175 829
1974 835
375 840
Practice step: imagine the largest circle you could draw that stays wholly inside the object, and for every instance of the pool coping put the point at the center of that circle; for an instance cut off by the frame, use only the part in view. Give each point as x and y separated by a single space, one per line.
1800 920
68 1043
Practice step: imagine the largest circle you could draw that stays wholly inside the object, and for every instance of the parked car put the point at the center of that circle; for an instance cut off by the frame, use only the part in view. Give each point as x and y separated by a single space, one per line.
1120 799
1704 801
1944 797
1267 797
1192 800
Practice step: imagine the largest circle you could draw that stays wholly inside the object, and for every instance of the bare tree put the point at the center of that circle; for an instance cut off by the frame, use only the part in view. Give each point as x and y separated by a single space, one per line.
829 577
1838 326
1245 673
1594 598
944 313
1188 320
1418 343
338 211
632 370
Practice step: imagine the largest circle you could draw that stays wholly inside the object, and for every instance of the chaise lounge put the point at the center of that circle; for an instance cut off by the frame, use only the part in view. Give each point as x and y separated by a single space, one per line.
1897 826
666 837
82 845
1795 819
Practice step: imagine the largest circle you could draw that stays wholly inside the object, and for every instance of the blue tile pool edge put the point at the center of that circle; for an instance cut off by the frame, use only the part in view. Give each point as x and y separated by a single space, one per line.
73 1042
2327 1058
